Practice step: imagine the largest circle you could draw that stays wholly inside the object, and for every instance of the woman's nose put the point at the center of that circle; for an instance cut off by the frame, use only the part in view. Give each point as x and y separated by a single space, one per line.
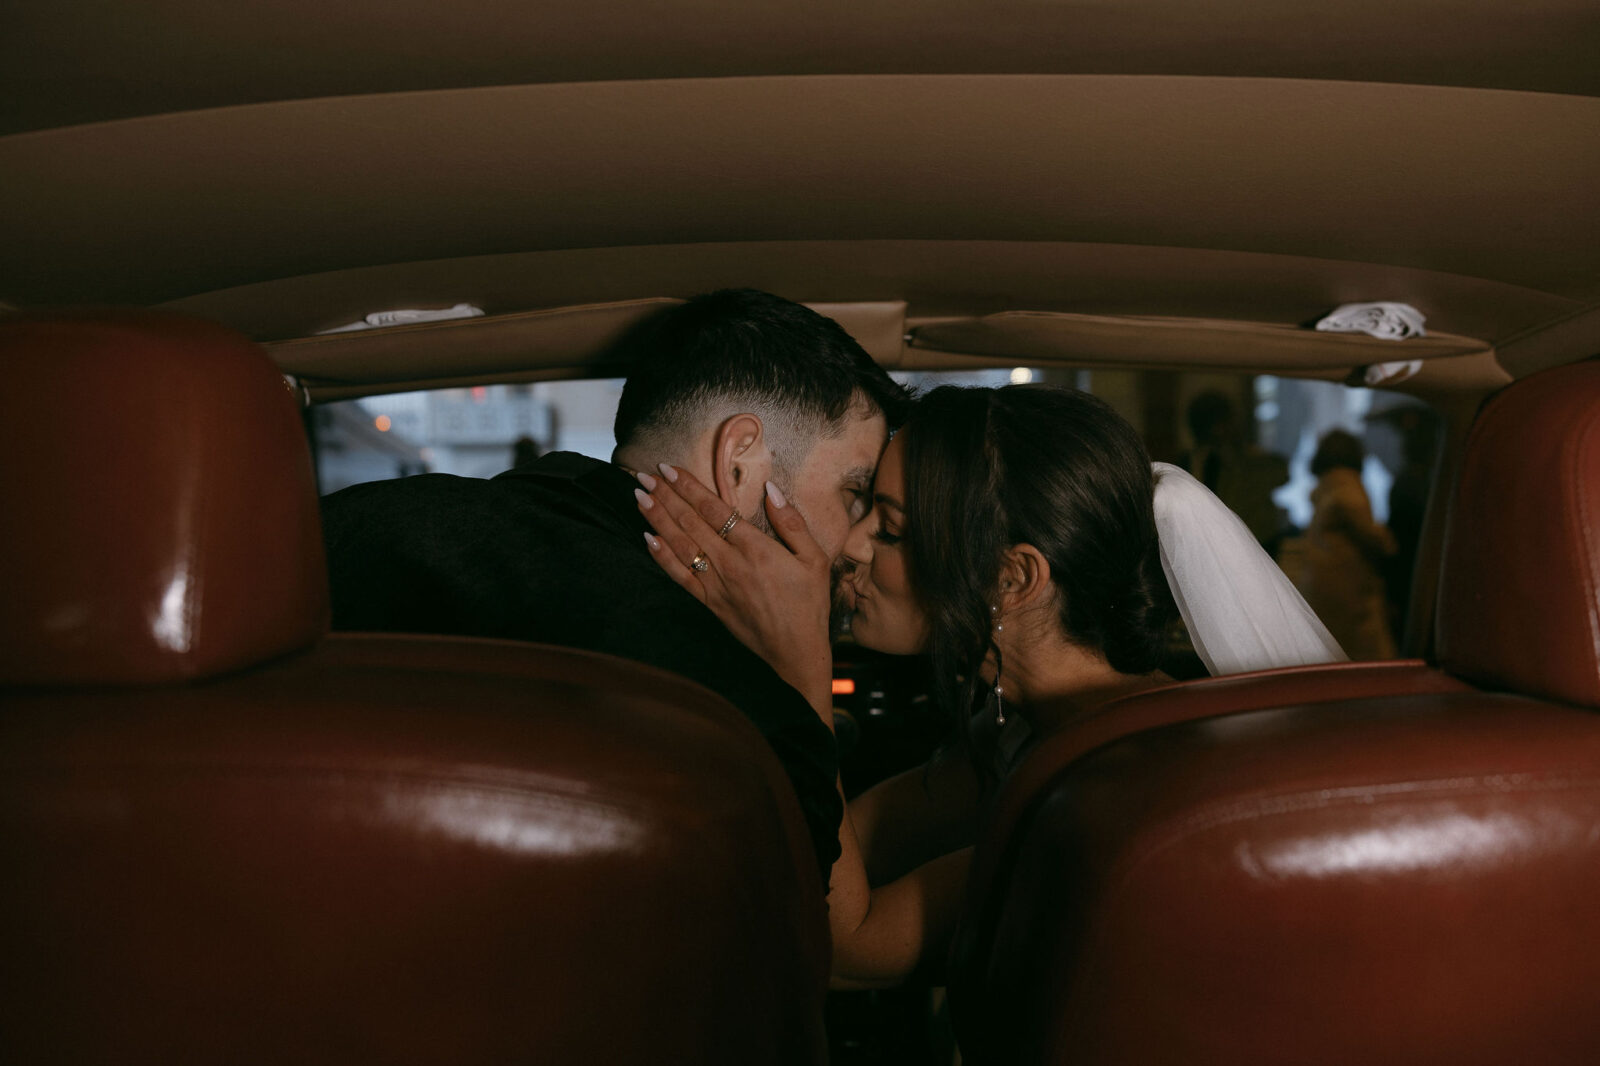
858 542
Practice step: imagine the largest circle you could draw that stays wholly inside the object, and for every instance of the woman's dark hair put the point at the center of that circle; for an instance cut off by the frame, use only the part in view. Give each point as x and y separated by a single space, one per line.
1030 464
1338 449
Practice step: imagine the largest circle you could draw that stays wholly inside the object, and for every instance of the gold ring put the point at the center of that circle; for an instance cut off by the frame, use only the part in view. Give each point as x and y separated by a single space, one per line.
732 521
700 563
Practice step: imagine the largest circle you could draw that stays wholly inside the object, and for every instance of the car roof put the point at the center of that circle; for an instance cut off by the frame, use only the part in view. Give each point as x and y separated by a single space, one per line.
1144 183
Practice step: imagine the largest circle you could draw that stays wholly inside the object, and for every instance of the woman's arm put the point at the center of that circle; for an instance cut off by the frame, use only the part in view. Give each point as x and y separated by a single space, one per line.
906 927
916 816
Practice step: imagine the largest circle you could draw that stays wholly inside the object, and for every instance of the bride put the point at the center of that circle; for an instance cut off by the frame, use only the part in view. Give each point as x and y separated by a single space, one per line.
1021 539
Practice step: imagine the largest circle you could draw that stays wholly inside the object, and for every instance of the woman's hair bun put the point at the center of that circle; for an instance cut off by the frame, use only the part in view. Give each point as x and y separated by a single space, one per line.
1137 624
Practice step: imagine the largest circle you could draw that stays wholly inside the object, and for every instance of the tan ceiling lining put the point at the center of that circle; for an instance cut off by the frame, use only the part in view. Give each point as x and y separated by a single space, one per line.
938 278
104 59
569 338
1478 374
531 346
1576 336
1063 337
570 342
1277 167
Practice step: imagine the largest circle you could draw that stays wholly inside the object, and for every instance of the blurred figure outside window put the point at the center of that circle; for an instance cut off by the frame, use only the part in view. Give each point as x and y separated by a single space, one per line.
1243 476
525 450
1408 500
1337 566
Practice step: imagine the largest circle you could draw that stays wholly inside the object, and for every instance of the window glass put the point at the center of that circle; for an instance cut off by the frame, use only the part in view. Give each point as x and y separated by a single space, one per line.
1253 440
1293 415
475 432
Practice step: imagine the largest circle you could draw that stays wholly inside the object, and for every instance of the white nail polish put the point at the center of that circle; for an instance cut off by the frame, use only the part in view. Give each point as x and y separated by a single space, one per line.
776 495
644 499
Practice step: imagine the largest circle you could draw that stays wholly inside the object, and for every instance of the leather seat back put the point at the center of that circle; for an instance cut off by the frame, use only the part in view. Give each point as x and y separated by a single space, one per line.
1376 863
161 521
1519 588
1387 880
398 850
226 836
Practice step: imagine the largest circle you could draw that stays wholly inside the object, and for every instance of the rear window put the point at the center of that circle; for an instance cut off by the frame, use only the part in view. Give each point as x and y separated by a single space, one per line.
1253 438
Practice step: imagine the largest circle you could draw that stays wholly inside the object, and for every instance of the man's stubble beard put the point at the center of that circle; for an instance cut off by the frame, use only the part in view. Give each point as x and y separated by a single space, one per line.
839 609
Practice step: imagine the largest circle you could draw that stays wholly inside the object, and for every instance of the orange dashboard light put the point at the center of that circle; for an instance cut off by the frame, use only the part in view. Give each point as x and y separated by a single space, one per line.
844 686
383 423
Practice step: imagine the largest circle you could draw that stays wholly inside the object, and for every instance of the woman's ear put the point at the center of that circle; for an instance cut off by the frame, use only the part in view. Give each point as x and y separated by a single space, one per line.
741 462
1024 579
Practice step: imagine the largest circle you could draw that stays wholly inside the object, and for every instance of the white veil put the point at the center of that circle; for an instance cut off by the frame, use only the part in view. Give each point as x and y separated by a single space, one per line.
1242 612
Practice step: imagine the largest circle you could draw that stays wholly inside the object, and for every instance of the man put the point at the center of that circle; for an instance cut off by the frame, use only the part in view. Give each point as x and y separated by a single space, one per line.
737 387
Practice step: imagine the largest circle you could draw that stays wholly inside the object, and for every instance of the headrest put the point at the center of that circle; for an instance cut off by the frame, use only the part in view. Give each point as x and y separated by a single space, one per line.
160 520
1517 593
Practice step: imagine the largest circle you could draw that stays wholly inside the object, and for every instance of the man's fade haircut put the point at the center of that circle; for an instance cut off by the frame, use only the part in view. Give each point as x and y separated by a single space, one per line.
742 350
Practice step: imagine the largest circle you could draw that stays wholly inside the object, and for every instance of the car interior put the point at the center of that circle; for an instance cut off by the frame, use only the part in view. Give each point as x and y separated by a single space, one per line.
227 834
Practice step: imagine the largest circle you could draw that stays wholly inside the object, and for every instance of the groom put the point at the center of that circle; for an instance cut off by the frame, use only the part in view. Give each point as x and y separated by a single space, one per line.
737 387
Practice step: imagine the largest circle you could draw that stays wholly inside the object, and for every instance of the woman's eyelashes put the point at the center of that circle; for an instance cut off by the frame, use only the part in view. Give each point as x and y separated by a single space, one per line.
883 535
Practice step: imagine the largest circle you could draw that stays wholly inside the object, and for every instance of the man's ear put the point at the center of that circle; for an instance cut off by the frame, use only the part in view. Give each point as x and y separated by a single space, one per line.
1024 579
741 462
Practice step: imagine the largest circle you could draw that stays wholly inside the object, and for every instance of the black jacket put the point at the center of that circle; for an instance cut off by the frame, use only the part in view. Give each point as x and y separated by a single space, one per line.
553 551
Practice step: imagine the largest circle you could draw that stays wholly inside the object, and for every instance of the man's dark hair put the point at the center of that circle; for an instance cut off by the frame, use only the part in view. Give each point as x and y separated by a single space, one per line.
750 350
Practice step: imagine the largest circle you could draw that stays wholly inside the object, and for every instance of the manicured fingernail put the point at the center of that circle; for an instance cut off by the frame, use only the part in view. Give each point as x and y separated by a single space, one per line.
644 499
652 543
776 495
646 480
667 471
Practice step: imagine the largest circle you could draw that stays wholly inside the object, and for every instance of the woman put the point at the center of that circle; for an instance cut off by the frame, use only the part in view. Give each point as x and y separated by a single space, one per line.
1344 547
1013 539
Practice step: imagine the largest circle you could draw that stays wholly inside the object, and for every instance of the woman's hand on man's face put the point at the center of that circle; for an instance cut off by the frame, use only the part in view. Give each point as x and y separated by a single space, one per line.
772 594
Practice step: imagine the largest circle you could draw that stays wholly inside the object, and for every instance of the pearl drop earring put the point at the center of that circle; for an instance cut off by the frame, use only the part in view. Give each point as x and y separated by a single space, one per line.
999 692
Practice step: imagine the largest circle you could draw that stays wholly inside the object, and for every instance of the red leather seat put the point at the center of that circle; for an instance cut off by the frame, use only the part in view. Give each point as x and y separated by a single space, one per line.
226 836
1374 863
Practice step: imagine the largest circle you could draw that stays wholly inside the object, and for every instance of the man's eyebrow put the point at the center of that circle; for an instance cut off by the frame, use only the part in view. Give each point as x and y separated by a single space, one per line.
857 478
